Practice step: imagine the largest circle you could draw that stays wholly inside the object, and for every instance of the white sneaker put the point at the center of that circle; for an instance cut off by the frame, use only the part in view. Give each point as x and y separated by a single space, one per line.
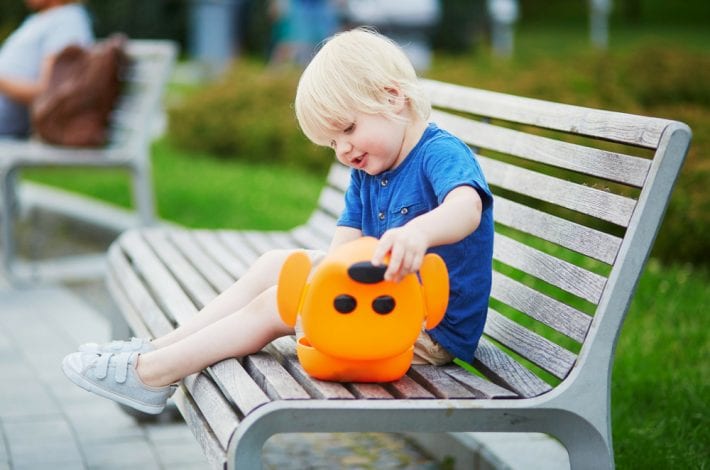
114 376
141 345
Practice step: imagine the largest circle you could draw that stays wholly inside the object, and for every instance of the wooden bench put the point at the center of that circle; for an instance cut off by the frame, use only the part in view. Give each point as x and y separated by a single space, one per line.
128 147
579 196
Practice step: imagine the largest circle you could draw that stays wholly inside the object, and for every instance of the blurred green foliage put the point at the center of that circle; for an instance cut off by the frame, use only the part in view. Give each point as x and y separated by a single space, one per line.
649 78
248 115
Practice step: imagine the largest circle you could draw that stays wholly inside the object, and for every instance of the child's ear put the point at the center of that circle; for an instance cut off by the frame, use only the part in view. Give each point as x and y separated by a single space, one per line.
292 280
396 98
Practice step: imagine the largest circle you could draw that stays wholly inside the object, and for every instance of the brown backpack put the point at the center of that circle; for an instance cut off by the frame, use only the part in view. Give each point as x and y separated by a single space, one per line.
83 88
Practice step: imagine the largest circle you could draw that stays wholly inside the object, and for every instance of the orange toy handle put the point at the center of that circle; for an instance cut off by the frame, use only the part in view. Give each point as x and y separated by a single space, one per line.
435 286
292 281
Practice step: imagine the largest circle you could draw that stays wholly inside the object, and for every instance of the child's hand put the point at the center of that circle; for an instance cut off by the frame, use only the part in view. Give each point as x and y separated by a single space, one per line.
406 247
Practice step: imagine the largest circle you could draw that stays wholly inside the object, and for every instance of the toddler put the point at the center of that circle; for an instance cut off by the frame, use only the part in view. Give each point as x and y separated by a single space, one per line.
413 186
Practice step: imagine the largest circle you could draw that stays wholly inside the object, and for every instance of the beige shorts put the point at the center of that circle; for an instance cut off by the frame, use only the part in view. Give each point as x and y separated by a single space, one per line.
426 350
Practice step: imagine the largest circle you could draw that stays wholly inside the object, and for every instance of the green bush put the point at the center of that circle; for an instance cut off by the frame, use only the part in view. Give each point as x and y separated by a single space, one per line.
247 115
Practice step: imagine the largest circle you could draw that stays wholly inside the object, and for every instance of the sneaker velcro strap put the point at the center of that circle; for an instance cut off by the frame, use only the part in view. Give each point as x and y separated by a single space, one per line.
101 367
122 365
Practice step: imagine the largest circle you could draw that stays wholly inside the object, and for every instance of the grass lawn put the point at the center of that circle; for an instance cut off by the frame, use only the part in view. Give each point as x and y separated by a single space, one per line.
203 192
661 374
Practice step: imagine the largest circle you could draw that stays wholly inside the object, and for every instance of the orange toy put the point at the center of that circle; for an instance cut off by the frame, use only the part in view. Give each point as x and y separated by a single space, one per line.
359 327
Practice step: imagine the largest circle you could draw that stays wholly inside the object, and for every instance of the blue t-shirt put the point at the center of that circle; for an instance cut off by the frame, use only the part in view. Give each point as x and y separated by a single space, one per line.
23 52
438 163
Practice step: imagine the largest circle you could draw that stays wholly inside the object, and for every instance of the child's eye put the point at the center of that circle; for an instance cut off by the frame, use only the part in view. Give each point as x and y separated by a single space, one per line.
349 129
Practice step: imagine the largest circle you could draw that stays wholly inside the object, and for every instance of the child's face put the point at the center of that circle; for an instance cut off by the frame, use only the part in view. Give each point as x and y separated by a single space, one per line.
371 142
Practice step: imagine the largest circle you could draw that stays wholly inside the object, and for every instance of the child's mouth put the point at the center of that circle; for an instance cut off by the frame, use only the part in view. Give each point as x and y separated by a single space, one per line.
358 162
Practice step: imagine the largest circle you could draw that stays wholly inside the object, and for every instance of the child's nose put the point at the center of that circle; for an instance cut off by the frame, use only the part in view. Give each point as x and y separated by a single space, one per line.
342 148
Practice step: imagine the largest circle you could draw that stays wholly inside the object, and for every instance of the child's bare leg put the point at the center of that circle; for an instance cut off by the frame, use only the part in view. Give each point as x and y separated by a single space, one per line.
262 275
243 332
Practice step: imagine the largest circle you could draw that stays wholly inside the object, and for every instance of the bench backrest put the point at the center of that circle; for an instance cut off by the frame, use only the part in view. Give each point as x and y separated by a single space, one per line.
579 196
134 118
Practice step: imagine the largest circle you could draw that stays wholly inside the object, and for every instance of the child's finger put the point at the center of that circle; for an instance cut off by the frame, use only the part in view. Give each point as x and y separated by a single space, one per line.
395 264
381 250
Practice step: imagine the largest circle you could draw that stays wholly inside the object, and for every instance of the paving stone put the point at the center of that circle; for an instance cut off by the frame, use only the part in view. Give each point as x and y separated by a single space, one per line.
182 452
101 420
25 397
40 443
127 453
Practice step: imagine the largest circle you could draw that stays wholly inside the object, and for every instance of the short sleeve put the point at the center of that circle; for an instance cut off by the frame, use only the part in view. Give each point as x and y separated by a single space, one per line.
451 163
71 27
352 213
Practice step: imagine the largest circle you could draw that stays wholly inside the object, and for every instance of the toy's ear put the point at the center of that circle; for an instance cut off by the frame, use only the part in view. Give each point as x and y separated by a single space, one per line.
435 285
292 280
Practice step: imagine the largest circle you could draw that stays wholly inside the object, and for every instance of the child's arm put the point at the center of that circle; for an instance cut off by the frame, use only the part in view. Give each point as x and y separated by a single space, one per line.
343 235
457 216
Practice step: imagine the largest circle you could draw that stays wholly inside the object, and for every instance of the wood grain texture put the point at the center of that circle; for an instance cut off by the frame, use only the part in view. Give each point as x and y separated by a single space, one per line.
505 371
553 313
213 407
238 386
533 347
587 241
276 382
611 166
608 125
560 273
584 199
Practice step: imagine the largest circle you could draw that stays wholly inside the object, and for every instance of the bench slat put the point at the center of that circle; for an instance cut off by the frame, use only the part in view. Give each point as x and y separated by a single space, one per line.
331 201
601 204
368 391
566 276
218 251
322 223
238 246
133 297
238 386
309 239
214 408
201 261
481 387
272 377
407 387
608 125
190 280
213 451
601 163
339 177
284 351
587 241
158 280
538 350
505 371
438 382
260 242
555 314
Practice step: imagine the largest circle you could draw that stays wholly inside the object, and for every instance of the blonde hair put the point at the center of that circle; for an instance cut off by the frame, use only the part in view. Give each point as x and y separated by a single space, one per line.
355 71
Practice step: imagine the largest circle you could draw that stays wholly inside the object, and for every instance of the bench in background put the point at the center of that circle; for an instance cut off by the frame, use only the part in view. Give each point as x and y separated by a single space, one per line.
128 147
579 196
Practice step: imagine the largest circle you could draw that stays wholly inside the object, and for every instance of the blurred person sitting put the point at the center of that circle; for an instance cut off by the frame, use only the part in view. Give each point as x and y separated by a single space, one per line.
27 56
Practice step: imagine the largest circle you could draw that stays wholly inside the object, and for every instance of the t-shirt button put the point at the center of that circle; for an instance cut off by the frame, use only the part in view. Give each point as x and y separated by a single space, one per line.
384 182
404 211
381 216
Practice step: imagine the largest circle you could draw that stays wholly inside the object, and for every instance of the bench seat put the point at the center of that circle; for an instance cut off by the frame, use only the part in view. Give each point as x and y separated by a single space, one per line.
579 195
